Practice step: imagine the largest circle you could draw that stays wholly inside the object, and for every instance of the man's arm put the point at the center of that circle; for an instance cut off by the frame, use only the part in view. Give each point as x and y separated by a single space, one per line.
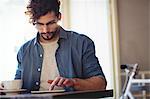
91 70
19 60
92 83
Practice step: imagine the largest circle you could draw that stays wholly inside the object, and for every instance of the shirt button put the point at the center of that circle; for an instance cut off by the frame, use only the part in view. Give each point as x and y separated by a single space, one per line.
37 83
39 69
41 55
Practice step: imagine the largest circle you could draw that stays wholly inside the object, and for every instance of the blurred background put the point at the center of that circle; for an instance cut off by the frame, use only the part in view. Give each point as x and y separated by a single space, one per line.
119 28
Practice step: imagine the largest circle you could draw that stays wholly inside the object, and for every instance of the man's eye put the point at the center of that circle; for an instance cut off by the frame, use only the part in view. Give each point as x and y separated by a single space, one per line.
50 23
39 24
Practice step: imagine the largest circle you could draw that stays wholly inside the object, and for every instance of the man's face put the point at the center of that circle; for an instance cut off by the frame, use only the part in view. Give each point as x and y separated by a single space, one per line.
47 26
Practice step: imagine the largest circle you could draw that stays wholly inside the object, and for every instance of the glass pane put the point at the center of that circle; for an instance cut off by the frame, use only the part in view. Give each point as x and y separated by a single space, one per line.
14 31
90 17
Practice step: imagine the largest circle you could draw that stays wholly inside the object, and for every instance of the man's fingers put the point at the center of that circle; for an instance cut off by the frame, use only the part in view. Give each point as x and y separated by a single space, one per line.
54 83
68 82
50 81
61 80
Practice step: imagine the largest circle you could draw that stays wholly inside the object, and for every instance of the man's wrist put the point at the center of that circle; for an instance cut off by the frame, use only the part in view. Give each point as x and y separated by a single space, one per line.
75 83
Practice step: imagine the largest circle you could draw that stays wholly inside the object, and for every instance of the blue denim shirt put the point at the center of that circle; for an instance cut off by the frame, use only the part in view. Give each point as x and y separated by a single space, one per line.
75 58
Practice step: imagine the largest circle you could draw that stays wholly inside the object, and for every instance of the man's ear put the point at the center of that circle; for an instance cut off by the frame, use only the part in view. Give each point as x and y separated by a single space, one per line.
59 16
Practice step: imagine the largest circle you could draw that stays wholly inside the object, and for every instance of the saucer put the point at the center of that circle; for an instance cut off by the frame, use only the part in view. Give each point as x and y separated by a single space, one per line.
12 90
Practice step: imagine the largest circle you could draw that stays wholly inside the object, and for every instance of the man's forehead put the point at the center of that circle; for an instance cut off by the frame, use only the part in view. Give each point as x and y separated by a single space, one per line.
47 17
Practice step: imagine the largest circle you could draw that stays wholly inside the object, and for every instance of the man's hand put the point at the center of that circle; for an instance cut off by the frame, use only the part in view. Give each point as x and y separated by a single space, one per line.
92 83
61 82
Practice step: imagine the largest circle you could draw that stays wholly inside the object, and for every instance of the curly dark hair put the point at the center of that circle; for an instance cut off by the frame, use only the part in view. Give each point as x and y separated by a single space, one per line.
38 8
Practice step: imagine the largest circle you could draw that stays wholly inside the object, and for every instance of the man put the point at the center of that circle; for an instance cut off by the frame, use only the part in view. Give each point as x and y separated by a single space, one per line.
63 58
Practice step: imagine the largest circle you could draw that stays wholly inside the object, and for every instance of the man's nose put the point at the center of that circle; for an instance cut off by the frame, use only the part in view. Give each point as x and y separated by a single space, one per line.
45 29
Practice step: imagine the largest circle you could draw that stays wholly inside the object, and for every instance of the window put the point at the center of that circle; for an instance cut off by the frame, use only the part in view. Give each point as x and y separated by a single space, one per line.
14 31
91 17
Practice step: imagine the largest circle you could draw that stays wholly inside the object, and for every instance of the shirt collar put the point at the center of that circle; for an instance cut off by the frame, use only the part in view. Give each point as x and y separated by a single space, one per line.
62 32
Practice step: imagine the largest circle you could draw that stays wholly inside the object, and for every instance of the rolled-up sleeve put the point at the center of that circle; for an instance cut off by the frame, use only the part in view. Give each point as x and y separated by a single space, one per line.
91 66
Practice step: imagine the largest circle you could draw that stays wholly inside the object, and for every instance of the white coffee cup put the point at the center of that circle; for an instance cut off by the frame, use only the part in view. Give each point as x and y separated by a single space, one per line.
12 84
